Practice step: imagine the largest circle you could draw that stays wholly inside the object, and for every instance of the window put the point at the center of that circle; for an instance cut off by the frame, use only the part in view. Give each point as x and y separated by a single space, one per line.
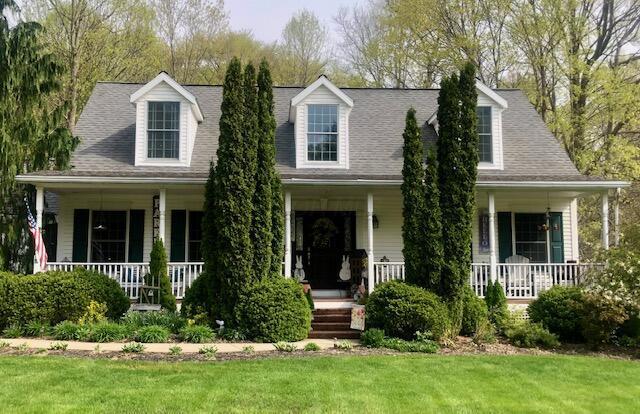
195 236
485 150
322 133
531 237
108 236
163 130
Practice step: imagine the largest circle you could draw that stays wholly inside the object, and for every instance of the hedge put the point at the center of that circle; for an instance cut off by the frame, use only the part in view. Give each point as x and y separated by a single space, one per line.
560 310
52 297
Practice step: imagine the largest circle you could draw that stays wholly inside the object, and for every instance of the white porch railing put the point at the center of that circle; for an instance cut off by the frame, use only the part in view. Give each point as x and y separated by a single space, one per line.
131 275
520 281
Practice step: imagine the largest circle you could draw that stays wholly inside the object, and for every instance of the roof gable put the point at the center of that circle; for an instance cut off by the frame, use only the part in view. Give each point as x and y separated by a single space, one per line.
321 81
164 77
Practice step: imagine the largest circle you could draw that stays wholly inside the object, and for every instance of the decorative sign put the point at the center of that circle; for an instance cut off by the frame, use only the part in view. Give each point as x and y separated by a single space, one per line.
156 217
357 317
483 232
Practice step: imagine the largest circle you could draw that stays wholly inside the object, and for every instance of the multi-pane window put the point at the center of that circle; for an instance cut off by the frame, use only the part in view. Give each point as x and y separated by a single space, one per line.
485 150
322 133
108 236
195 236
531 236
163 130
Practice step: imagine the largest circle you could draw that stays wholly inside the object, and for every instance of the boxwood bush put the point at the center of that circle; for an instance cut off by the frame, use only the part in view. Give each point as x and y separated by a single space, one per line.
474 312
53 297
274 309
560 310
401 310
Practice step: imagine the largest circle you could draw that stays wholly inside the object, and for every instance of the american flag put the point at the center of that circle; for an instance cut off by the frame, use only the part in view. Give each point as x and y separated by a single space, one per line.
41 250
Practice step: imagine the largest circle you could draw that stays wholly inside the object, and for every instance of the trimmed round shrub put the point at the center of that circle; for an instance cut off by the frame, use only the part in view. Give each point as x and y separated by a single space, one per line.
103 289
152 334
474 312
401 310
107 332
274 309
531 335
560 310
196 334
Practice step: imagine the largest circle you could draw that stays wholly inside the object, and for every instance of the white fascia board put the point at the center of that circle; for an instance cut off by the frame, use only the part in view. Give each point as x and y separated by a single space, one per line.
163 77
493 95
322 81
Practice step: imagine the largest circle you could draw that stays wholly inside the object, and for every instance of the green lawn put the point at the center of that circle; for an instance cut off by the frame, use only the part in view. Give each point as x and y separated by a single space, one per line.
396 384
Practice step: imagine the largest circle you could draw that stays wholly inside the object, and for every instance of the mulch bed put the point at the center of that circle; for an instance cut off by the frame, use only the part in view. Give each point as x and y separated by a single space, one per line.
463 346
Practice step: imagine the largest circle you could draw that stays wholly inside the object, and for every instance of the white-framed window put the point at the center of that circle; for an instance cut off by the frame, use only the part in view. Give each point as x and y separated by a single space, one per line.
163 130
485 144
322 132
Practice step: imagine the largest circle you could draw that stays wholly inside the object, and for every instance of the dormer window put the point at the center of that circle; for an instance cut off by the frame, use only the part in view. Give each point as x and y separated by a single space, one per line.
163 130
322 133
485 147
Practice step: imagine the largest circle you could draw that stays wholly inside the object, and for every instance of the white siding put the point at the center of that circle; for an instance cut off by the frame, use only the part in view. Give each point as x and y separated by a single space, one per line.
496 133
322 95
188 126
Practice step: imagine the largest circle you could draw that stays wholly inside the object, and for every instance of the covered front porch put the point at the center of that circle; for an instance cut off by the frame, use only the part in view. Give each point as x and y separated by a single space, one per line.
526 238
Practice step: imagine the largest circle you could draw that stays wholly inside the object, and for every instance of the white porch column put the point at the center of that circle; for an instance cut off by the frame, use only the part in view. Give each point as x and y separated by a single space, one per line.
287 234
616 219
605 220
162 208
492 237
39 211
370 267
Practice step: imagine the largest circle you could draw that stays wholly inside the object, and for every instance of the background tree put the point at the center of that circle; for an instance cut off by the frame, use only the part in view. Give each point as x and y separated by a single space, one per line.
32 133
413 231
304 48
432 224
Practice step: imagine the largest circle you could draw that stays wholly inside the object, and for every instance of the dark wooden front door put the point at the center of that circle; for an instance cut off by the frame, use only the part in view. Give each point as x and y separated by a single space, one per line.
326 236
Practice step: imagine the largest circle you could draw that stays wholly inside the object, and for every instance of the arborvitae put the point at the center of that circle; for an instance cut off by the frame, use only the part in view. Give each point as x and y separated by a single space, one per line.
158 276
233 260
413 202
432 224
268 133
452 173
262 235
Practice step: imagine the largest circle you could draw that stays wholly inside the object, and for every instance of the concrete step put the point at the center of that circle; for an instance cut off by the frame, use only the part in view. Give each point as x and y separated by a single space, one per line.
336 311
351 334
332 318
331 326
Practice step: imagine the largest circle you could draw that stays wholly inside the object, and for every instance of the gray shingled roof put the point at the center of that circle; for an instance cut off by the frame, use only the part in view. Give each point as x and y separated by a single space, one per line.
107 132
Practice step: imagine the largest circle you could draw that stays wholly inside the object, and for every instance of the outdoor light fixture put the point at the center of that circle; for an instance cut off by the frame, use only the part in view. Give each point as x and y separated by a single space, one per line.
376 223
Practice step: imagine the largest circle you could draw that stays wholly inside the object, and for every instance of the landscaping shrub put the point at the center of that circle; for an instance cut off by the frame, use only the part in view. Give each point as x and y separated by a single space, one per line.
52 297
67 331
560 310
13 331
169 320
529 335
152 334
196 334
133 347
36 329
372 338
631 327
311 347
427 347
158 276
107 332
496 302
274 309
96 312
474 312
197 298
601 317
401 310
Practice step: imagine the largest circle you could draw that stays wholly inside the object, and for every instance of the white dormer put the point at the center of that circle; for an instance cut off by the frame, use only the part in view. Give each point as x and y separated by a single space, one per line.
167 118
489 109
320 114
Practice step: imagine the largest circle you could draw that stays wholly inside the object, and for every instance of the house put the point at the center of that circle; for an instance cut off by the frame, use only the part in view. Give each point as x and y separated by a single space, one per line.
140 170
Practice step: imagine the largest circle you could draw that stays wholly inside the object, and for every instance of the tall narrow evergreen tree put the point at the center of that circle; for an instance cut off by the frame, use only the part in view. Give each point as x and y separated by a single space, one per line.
452 173
262 234
268 133
233 264
432 224
250 141
413 201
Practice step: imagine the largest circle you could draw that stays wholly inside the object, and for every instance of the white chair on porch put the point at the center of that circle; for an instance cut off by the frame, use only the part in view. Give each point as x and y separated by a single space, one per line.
518 280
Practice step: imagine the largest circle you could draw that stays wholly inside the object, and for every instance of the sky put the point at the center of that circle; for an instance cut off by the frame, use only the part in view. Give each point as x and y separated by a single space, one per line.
266 18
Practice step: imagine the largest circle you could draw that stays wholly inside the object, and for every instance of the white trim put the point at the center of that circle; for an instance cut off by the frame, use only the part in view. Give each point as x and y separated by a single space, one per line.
164 77
492 94
321 81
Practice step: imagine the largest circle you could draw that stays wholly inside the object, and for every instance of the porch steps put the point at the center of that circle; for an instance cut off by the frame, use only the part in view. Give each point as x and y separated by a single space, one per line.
332 323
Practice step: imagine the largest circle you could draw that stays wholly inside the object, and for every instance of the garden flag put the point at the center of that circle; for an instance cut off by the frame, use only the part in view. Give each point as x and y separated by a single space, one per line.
41 250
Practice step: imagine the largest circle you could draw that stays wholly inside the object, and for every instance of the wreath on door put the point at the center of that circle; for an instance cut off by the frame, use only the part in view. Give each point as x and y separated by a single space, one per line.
323 231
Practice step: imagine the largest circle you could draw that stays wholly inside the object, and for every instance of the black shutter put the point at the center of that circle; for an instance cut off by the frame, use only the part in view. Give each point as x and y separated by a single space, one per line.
80 235
178 225
136 235
557 238
505 239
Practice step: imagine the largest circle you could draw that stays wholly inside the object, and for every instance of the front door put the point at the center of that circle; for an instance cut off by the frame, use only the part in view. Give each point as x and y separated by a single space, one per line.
324 238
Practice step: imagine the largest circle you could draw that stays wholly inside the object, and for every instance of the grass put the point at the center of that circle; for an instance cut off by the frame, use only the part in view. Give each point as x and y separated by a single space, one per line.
412 383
